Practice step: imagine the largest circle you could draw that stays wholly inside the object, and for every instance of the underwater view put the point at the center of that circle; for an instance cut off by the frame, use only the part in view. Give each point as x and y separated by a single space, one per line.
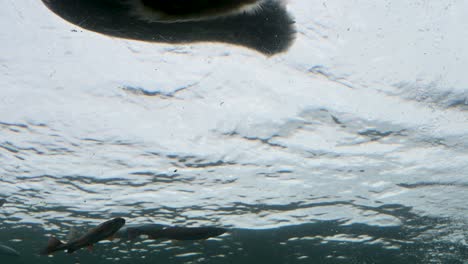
233 131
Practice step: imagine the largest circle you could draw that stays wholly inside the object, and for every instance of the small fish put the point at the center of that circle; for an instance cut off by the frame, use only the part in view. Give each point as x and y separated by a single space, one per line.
8 251
103 231
176 233
190 10
2 202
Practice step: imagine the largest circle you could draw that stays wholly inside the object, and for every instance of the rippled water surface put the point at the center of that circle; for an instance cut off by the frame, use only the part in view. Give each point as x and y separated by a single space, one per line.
345 143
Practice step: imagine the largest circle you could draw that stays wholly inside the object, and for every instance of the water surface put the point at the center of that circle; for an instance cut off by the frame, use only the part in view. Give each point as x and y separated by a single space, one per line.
348 147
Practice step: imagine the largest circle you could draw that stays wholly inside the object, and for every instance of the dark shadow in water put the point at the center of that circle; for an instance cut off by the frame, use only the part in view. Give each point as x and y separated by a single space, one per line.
319 242
269 30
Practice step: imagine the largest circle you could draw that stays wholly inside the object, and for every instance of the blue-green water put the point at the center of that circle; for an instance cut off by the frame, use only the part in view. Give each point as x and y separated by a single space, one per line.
324 242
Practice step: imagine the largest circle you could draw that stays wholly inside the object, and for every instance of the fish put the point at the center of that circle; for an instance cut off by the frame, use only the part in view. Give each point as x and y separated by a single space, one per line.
8 251
2 202
103 231
169 11
174 232
128 231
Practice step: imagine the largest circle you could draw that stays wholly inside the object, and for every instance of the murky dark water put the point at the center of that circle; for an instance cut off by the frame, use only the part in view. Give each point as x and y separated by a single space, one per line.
324 242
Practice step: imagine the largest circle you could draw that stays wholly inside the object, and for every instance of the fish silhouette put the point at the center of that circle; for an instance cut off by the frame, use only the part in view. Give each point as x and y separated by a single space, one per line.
176 233
103 231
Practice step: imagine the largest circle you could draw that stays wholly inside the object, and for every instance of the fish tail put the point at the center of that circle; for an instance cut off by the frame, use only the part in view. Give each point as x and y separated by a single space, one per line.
52 246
